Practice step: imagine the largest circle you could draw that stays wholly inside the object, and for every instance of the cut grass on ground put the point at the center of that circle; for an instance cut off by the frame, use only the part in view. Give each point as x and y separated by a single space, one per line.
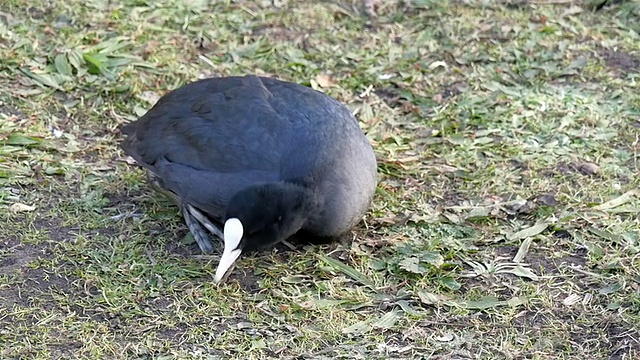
505 224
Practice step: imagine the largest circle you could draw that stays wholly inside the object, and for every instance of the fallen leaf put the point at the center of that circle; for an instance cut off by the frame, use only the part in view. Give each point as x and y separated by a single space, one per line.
358 328
605 235
528 232
486 302
571 299
295 279
404 305
610 289
20 207
525 272
429 298
16 139
62 65
349 271
43 79
387 320
324 80
523 250
437 64
622 199
450 282
244 325
478 213
412 265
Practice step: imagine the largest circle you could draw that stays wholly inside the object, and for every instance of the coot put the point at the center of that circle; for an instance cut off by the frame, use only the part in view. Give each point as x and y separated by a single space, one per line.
259 157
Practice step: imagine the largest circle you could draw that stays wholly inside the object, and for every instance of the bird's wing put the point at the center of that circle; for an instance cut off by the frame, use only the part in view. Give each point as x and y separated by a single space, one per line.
219 126
208 190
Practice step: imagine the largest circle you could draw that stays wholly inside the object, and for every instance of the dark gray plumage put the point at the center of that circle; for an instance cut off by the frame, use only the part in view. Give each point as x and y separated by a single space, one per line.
277 156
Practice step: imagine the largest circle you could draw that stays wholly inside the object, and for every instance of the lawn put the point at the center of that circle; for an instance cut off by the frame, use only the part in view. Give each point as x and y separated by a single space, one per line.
505 223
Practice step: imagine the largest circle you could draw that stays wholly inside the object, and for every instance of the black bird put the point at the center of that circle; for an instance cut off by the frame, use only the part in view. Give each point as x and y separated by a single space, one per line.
262 158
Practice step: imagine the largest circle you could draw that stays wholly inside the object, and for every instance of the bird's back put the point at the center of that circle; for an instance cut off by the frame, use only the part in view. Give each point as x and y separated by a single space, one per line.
211 138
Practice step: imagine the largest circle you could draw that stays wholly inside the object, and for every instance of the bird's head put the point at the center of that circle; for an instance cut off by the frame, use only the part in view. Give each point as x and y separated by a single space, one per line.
261 216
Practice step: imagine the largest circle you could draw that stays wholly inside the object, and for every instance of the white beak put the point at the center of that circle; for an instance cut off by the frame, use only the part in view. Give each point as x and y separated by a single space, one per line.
233 232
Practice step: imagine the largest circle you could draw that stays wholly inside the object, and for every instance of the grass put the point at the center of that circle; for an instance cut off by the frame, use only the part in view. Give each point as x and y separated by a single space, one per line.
505 224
